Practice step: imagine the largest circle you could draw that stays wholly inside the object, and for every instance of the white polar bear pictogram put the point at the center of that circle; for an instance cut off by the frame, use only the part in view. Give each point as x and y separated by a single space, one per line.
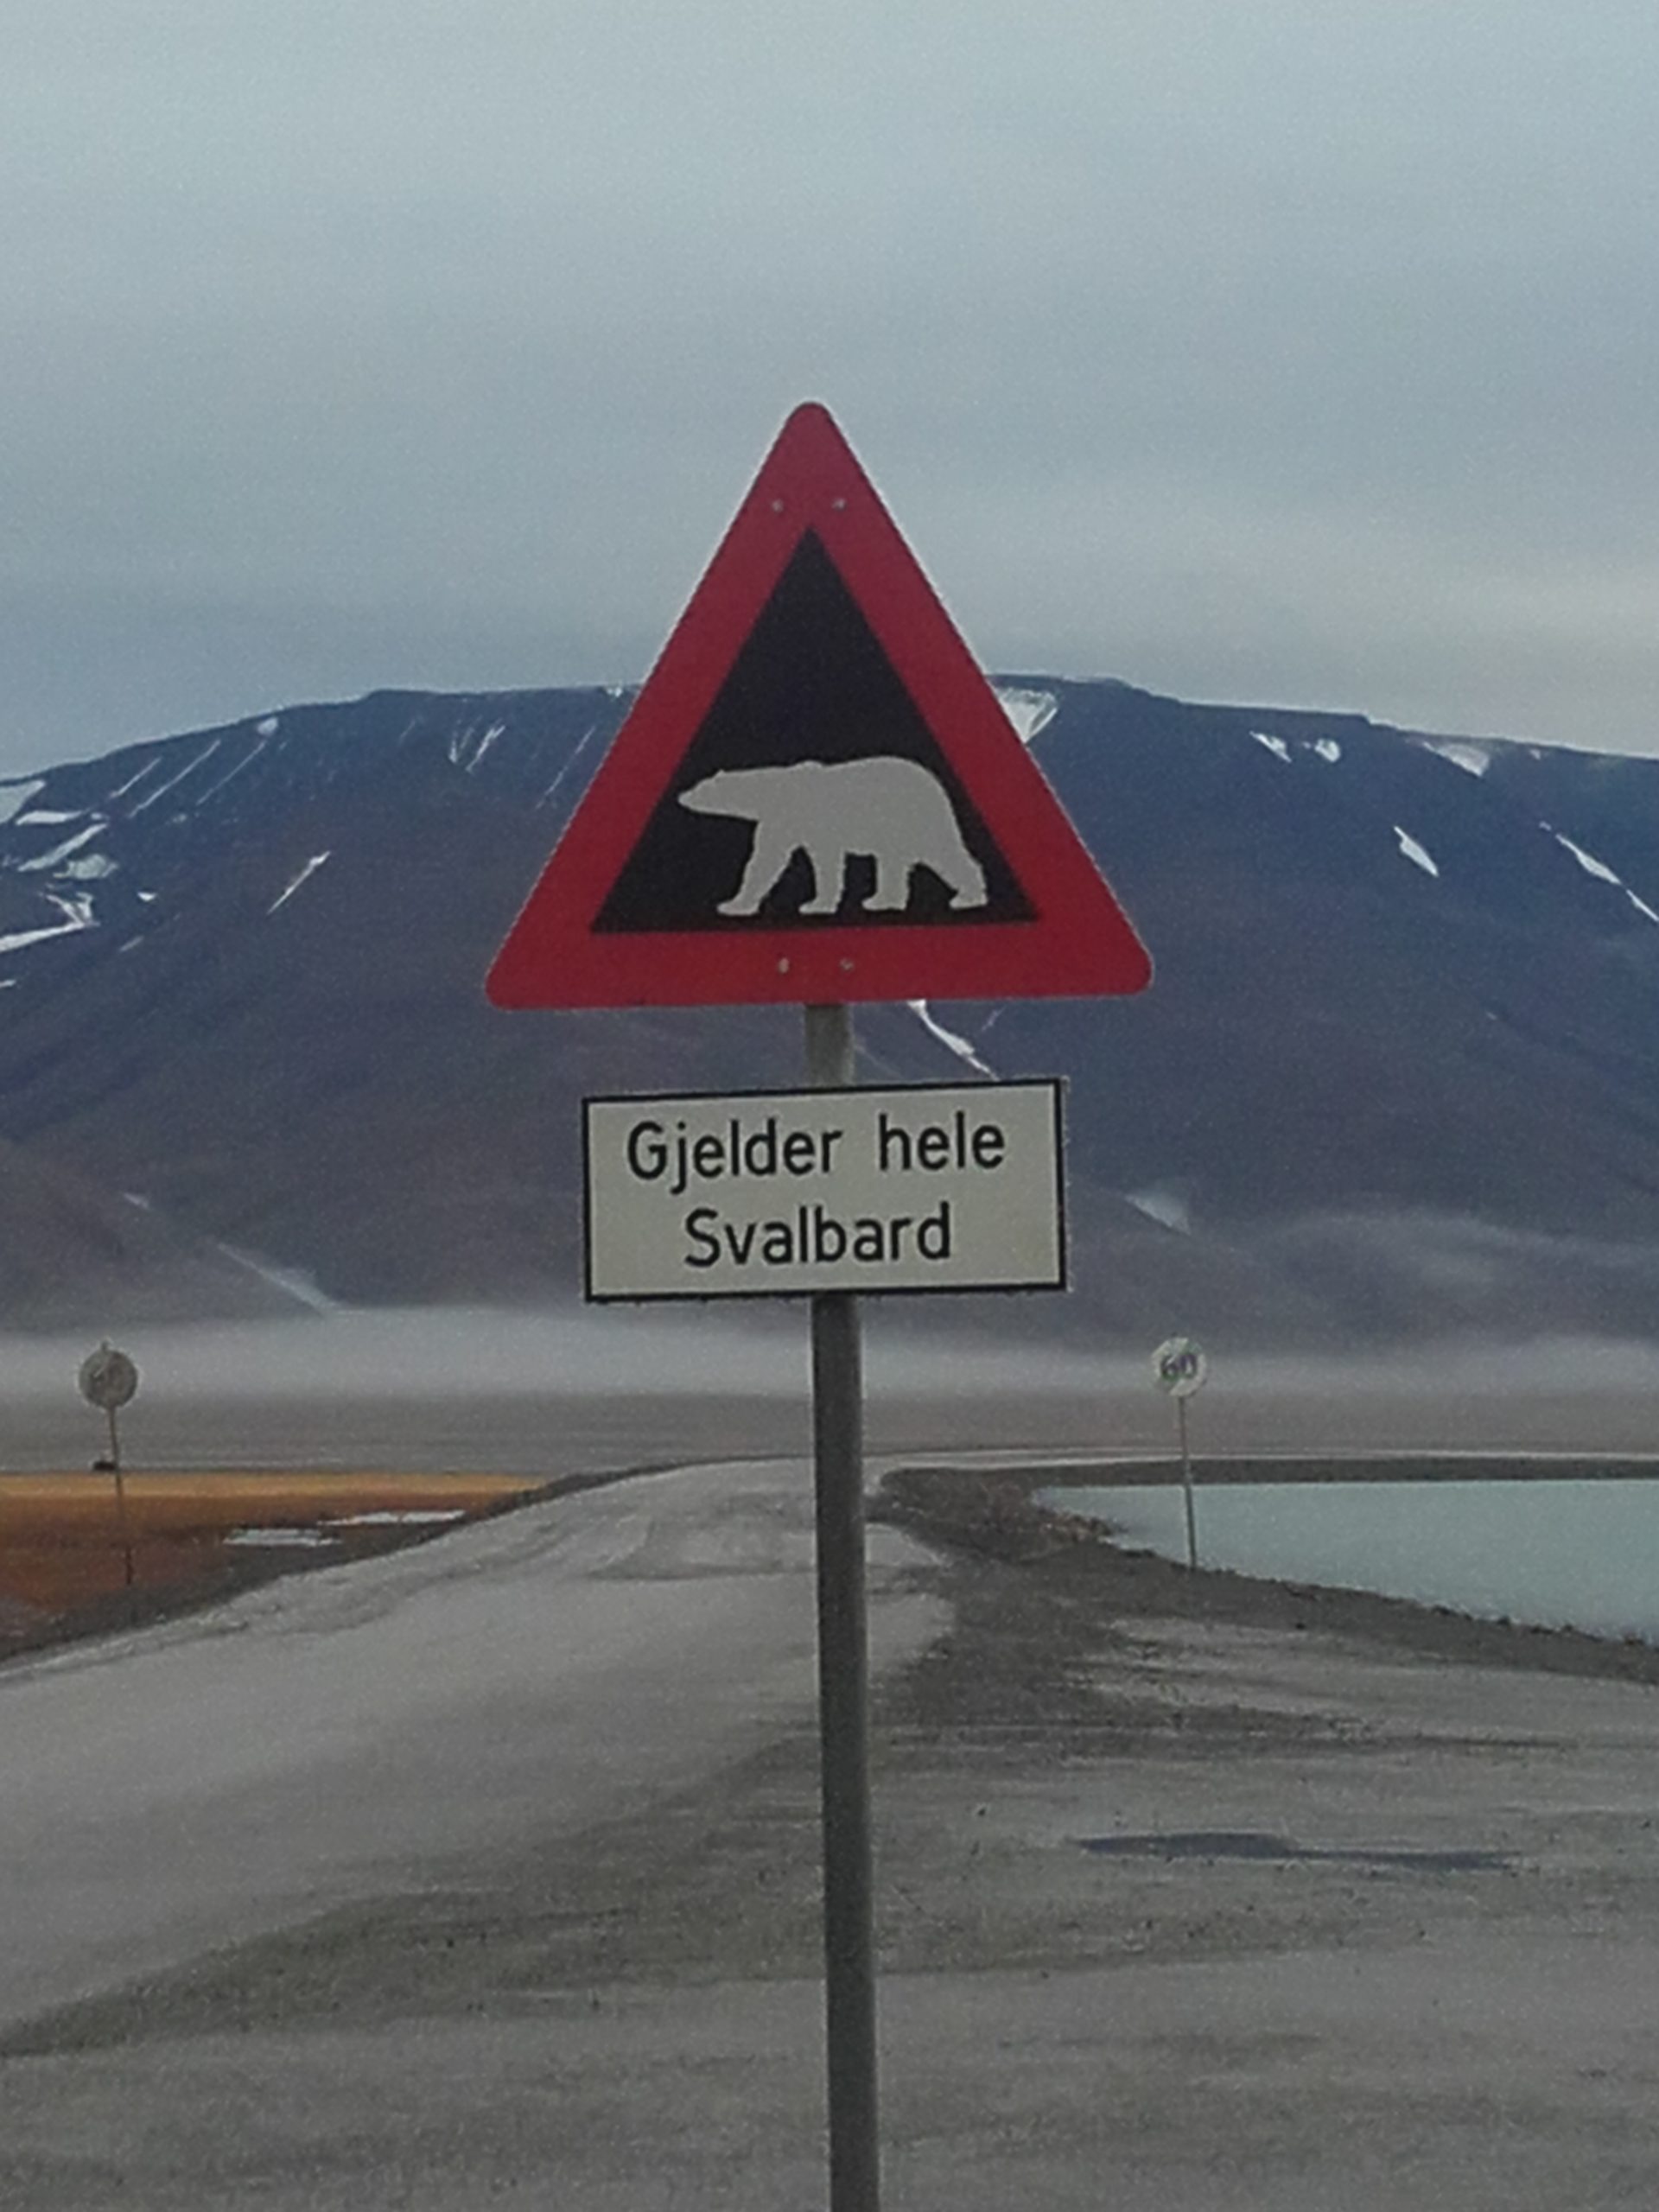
891 809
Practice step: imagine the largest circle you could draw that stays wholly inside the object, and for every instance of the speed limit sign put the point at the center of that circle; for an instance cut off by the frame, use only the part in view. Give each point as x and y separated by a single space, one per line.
108 1378
1179 1366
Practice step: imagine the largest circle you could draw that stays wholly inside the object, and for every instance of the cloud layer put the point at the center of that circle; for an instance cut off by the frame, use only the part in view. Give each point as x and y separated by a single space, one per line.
1301 354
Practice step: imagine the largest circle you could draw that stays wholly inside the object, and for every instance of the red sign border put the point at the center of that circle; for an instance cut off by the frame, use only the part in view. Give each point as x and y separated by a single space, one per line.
1081 944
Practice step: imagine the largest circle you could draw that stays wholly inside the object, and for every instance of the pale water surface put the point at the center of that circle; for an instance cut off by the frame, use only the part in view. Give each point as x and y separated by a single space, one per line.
1580 1554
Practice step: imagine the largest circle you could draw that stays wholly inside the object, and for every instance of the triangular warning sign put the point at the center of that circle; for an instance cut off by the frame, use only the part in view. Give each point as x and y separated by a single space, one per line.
816 797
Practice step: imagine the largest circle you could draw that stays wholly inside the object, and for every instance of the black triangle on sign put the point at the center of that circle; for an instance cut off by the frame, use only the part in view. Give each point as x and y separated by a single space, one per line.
813 793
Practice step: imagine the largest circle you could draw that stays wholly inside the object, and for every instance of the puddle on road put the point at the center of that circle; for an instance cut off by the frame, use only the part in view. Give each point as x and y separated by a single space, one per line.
1252 1843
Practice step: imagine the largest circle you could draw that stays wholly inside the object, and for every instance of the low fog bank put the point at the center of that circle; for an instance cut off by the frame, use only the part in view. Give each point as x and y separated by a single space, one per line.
444 1354
426 1352
1351 1283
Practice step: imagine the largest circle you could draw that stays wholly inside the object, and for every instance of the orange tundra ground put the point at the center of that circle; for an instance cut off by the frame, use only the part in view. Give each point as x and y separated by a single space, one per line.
60 1544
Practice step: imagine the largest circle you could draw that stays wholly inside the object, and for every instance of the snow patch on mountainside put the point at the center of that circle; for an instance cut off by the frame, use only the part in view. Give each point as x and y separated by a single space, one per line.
77 914
582 743
960 1045
133 781
1411 850
172 782
1167 1208
495 730
1473 759
294 1282
15 796
1324 748
1587 861
45 862
1029 711
304 875
1600 870
213 789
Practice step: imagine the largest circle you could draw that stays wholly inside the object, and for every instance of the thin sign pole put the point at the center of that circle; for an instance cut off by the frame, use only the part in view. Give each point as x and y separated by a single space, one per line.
120 1497
843 1700
1186 1487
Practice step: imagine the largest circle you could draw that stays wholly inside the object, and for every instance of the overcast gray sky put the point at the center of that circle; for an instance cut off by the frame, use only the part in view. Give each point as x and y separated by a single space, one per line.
1301 354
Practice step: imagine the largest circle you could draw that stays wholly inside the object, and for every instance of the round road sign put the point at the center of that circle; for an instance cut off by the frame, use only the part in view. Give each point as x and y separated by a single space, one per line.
1179 1366
108 1378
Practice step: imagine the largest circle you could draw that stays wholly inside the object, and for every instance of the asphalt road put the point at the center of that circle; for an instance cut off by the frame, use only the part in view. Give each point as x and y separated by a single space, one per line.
361 1730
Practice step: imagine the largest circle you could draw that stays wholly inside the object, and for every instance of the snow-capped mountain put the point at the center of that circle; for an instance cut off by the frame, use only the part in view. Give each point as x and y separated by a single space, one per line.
1397 1065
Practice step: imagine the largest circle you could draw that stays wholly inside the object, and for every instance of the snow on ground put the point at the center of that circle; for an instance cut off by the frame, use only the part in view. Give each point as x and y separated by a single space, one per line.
310 1539
1414 853
1277 745
396 1517
1327 748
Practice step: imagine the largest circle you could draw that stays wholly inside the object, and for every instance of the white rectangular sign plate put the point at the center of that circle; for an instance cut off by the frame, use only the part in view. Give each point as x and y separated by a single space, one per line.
773 1194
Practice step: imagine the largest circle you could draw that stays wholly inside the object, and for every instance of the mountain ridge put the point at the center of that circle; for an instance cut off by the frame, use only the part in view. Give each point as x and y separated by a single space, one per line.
1404 995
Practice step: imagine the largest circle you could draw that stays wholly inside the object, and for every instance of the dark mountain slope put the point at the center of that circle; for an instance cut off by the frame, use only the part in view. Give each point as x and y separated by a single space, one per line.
1398 1062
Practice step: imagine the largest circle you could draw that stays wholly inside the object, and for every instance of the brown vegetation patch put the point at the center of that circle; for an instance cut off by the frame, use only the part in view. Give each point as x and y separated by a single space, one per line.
64 1554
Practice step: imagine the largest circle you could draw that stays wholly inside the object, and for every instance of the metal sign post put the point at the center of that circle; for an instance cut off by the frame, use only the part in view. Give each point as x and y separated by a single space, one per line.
110 1379
816 799
1178 1367
1186 1487
843 1698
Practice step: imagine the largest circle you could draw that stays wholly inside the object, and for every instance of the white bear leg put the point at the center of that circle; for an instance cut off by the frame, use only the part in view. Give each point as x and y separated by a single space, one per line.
891 892
966 882
829 878
769 856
